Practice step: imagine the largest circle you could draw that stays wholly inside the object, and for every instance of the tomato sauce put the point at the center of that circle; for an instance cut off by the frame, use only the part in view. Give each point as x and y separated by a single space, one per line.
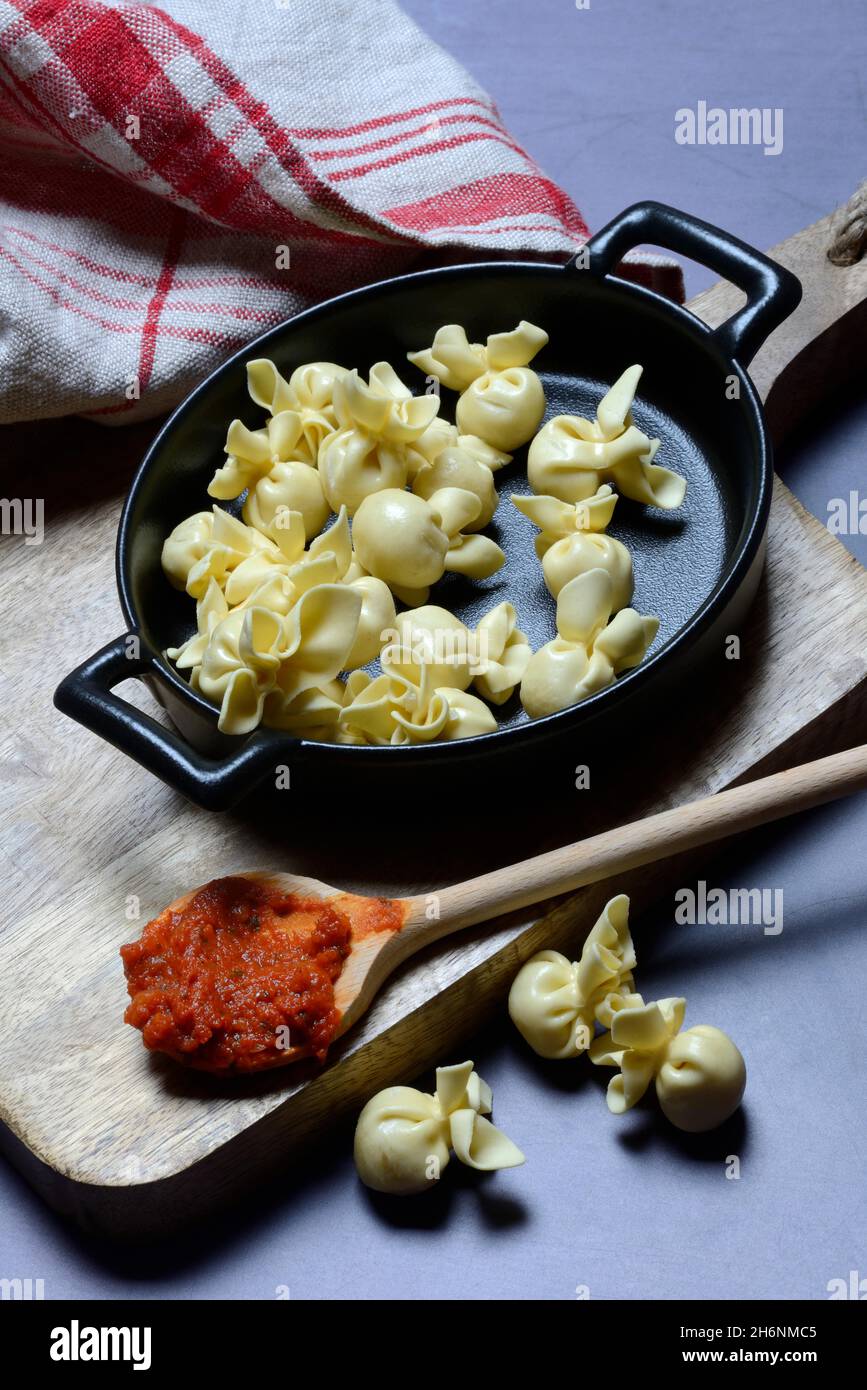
241 977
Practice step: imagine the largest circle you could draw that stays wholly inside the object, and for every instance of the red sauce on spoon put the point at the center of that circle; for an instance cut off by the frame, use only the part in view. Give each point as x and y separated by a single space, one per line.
241 977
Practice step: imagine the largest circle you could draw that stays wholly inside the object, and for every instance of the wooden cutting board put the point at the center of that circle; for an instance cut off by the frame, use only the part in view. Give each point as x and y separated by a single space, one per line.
129 1144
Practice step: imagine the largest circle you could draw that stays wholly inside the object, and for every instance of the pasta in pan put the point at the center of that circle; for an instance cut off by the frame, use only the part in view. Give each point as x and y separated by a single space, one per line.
290 486
258 664
211 608
410 543
502 654
354 465
420 491
430 637
453 360
390 709
309 392
506 403
590 651
330 559
404 1138
210 545
493 657
251 454
571 456
378 422
383 406
571 542
502 400
185 546
469 463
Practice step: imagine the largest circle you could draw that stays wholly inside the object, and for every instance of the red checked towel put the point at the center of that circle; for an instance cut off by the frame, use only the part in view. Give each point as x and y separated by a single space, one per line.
177 180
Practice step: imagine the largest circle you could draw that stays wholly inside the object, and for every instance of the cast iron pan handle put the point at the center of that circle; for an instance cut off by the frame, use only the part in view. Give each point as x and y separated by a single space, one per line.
772 292
86 695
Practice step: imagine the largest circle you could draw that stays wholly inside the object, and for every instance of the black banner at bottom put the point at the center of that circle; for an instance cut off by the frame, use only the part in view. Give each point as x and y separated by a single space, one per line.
259 1340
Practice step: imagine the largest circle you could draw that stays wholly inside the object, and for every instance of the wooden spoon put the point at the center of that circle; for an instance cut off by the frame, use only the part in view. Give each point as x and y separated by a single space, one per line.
374 954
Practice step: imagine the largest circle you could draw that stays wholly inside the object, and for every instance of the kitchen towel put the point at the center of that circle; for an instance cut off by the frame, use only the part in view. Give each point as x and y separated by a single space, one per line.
177 180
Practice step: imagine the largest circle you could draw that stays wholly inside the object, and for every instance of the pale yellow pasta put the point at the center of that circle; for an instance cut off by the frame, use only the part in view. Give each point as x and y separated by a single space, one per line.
605 971
256 664
451 359
554 1002
211 545
383 406
185 546
469 464
320 632
589 651
637 1043
309 392
239 666
389 709
263 562
410 543
252 454
502 654
571 456
211 608
699 1074
493 656
502 401
431 637
353 465
404 1137
505 404
701 1082
312 387
290 486
546 1007
571 542
377 617
505 408
438 435
380 421
477 557
332 551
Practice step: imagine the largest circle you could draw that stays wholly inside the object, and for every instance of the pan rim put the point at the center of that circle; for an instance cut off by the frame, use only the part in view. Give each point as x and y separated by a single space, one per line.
549 726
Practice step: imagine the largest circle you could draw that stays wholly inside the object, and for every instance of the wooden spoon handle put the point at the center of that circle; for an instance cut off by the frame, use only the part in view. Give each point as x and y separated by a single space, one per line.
640 842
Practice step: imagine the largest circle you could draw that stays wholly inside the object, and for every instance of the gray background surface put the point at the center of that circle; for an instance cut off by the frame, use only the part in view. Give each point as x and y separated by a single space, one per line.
623 1206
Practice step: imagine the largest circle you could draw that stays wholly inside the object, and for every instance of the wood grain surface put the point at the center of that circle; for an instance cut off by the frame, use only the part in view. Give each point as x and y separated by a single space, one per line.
92 846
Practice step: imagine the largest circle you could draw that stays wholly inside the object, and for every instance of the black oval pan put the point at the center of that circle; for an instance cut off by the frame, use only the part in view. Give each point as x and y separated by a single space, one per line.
696 568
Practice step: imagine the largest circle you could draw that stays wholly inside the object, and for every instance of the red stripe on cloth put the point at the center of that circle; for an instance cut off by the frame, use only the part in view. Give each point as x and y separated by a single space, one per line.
183 150
430 147
226 280
103 61
377 122
388 140
164 144
210 337
484 200
173 305
275 137
175 240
